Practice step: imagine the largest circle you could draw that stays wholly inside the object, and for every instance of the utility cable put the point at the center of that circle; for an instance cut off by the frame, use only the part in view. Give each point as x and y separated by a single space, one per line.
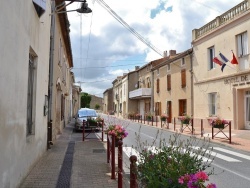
120 20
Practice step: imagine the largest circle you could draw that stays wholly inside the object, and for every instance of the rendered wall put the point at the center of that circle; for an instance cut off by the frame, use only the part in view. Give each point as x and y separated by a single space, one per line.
22 30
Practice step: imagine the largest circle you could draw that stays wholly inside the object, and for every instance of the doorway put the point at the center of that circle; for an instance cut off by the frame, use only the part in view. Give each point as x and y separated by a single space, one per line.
247 110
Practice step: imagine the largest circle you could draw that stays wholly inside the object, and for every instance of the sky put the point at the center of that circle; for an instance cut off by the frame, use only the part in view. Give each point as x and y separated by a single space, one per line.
103 48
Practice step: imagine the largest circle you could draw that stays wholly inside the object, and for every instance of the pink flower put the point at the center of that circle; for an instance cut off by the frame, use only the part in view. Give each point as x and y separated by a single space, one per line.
211 185
201 176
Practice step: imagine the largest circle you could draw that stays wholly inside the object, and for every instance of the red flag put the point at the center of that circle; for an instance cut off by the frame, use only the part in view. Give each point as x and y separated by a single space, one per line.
234 60
217 61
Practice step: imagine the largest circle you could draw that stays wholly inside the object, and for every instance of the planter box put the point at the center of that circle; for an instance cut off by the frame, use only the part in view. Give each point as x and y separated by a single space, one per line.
185 122
222 126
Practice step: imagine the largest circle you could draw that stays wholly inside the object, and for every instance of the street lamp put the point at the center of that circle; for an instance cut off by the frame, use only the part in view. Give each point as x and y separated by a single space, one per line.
83 10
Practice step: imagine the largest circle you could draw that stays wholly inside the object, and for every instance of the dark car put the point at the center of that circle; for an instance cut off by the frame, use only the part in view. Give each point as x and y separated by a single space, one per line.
83 117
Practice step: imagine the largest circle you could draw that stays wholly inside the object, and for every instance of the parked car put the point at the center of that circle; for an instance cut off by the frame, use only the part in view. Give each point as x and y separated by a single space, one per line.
84 117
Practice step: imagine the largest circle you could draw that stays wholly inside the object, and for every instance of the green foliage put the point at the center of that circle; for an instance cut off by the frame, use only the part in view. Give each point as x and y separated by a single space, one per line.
97 106
164 165
85 100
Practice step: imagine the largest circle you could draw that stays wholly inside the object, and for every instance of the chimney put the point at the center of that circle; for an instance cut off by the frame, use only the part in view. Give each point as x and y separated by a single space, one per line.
137 67
165 53
172 52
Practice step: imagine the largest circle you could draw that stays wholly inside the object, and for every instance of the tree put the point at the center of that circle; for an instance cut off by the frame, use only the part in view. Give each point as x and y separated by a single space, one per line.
85 100
97 106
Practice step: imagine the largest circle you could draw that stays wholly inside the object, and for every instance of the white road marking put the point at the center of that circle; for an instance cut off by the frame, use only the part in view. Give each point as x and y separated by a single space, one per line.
232 153
224 157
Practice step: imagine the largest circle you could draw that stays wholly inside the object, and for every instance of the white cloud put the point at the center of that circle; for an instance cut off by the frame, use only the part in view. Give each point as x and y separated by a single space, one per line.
104 40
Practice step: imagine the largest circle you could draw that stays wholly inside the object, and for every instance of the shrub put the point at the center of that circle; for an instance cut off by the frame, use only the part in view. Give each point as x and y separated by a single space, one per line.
166 165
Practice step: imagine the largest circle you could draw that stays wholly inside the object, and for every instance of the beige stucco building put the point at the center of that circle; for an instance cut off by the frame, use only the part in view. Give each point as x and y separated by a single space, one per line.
24 73
173 85
108 101
61 78
223 94
117 96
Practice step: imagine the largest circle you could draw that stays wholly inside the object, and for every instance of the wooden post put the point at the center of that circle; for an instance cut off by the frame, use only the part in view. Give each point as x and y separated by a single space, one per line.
120 161
108 149
102 122
83 130
192 125
230 138
133 171
113 158
174 123
202 129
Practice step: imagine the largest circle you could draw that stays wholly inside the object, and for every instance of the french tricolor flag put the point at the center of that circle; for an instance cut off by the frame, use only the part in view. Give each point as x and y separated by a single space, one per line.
222 60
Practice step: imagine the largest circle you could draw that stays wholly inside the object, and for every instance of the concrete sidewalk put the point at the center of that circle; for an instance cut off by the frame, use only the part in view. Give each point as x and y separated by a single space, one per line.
72 163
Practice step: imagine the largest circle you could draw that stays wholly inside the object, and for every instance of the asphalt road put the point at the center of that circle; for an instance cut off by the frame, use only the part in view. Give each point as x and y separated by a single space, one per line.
231 166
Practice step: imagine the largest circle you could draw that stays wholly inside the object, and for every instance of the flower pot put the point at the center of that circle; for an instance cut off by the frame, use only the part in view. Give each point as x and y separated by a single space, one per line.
221 126
185 122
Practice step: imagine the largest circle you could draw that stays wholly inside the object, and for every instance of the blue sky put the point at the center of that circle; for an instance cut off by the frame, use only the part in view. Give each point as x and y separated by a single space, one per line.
104 49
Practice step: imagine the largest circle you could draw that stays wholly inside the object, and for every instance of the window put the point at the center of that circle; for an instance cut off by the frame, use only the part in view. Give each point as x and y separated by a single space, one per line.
158 72
158 85
183 62
120 110
148 82
168 67
31 96
158 108
211 64
62 106
60 52
212 104
242 44
182 107
169 82
124 89
183 78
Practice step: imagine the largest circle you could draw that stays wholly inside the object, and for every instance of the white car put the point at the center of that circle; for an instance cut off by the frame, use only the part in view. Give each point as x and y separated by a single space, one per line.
82 117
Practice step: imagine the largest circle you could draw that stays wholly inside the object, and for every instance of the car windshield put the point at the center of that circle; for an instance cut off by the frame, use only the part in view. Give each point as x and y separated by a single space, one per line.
87 113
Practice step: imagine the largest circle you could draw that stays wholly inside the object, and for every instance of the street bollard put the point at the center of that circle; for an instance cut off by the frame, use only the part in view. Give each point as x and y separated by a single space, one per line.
120 161
83 130
133 171
113 158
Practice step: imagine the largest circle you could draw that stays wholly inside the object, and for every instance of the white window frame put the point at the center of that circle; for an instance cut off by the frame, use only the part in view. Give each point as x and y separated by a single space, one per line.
168 67
210 56
242 44
212 97
31 96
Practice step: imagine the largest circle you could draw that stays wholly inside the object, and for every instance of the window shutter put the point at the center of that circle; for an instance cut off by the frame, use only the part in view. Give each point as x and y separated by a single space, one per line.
168 82
157 108
183 78
158 85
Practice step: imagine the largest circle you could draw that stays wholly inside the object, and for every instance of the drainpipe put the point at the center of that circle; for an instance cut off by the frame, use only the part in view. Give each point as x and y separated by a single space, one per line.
192 82
152 93
50 86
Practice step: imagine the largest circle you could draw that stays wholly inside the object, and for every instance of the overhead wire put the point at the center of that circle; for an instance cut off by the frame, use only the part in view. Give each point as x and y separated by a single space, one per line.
126 25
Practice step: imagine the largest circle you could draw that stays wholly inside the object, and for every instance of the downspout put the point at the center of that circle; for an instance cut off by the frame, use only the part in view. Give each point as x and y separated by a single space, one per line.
50 86
152 93
192 82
